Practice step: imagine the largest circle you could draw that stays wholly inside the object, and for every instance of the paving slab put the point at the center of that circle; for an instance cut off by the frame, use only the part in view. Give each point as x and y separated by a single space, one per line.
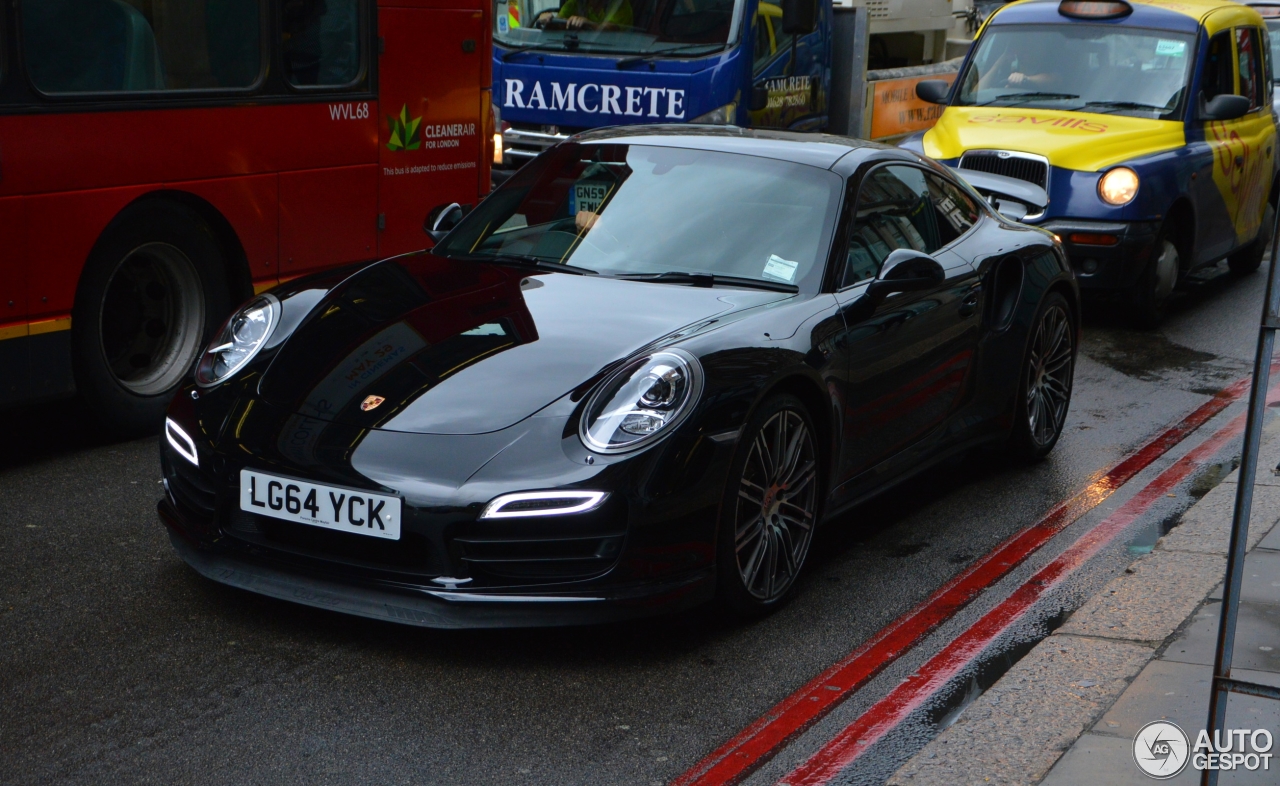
1261 578
1272 539
1179 692
1257 637
1206 527
1151 598
1096 760
1013 733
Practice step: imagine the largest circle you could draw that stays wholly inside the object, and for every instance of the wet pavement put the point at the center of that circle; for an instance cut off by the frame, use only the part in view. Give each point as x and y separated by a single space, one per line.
120 664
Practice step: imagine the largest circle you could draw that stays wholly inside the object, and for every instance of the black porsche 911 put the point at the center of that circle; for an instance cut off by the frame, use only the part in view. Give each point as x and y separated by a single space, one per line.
636 377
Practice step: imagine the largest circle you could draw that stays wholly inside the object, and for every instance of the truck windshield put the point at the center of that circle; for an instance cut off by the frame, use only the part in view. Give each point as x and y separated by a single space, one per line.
678 28
648 210
1081 68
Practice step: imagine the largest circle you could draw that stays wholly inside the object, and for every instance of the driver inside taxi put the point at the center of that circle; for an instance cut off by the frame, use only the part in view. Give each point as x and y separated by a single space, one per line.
1027 69
592 14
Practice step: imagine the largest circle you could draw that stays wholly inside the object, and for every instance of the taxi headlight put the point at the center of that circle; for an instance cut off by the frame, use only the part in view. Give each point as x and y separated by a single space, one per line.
1119 186
239 340
641 402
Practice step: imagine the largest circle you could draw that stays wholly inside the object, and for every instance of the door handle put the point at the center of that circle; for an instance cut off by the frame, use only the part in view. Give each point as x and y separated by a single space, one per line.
970 303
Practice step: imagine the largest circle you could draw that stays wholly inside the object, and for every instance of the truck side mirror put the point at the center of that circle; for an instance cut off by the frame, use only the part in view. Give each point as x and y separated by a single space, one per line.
1224 107
933 91
799 17
759 98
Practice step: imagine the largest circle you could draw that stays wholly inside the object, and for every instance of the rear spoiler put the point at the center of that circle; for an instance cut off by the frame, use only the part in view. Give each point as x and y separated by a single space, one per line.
1013 198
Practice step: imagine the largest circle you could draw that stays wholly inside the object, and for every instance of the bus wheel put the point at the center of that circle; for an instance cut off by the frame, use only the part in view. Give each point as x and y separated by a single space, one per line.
152 292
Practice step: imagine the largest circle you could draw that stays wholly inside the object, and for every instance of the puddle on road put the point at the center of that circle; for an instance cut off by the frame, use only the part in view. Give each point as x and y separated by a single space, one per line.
1150 357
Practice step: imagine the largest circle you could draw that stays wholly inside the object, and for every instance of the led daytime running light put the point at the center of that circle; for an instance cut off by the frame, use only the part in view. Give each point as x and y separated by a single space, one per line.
524 504
181 441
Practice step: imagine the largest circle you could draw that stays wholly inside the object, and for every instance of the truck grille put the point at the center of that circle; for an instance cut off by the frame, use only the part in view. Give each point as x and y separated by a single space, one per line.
1023 166
522 142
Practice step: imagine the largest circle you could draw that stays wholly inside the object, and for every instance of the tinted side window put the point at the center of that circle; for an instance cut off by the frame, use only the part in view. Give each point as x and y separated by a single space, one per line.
105 46
1218 77
955 210
894 211
321 42
1248 55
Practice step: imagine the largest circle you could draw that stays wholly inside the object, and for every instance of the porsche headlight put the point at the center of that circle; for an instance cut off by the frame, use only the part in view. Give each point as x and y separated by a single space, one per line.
1119 186
238 340
641 402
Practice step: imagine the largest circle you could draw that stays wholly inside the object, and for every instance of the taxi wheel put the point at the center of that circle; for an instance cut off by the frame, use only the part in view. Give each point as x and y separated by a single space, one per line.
1147 298
1249 258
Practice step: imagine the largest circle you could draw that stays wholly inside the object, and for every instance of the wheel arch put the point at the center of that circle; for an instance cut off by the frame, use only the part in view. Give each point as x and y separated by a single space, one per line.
1182 217
817 401
236 262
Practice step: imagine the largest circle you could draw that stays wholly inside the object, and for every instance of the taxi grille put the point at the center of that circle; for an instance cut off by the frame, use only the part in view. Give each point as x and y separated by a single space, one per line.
1022 166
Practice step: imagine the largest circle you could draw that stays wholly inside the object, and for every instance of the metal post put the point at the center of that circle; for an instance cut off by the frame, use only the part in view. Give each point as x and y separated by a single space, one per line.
851 40
1223 684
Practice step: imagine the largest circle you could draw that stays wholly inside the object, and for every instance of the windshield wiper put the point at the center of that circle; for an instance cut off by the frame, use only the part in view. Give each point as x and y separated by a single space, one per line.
526 260
649 58
510 53
709 280
1117 105
1025 97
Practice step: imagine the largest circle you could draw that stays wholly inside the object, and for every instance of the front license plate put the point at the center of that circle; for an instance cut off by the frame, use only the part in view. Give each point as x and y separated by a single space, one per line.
345 510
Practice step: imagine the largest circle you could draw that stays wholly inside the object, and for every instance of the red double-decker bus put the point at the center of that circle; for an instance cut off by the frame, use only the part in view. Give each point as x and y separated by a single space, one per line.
162 160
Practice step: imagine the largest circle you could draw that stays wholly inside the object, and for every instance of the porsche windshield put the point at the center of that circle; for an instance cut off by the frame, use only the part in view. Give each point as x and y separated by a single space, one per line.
1080 67
681 28
618 209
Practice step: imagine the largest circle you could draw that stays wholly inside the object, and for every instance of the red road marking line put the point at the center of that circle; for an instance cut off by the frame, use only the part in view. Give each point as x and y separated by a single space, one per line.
759 742
887 713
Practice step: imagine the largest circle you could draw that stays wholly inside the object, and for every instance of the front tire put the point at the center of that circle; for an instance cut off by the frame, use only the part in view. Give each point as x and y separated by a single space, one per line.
152 292
770 508
1044 384
1147 298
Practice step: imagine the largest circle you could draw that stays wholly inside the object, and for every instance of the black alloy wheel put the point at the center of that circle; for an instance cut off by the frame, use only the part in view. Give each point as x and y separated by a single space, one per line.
1044 387
770 507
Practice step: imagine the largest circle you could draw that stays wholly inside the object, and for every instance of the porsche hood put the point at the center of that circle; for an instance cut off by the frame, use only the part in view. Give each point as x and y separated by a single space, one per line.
429 345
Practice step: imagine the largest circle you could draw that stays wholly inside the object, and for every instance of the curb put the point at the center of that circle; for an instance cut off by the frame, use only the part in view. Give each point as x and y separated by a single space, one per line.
1019 728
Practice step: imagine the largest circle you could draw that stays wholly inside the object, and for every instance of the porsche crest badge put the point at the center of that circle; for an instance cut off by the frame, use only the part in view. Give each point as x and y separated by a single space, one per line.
371 402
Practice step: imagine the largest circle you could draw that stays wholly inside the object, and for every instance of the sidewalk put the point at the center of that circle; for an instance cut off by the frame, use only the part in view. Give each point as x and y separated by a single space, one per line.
1139 651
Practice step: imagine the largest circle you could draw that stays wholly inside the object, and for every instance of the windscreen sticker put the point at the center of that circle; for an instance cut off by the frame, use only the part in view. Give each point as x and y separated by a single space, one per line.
1169 48
781 269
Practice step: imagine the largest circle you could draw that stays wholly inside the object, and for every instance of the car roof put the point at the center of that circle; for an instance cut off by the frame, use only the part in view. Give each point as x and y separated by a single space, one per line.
817 150
1180 15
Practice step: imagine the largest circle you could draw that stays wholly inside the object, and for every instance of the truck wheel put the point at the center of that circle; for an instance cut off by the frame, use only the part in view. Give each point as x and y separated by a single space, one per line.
1148 296
1249 258
152 292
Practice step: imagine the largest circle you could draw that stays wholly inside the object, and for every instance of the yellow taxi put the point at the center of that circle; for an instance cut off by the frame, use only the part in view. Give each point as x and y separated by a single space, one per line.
1148 123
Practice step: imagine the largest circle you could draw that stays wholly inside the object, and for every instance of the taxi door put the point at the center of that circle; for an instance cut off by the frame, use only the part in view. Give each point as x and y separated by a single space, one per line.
1243 149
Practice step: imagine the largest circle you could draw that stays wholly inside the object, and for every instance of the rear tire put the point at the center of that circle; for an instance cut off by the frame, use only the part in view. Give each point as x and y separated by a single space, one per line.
1147 297
770 508
1249 258
152 291
1045 381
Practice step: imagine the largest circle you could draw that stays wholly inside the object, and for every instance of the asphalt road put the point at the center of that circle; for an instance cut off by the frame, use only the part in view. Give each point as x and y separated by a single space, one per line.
118 664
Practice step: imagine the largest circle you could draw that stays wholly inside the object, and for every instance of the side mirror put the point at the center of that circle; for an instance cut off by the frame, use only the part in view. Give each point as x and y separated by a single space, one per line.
799 17
933 91
1223 107
441 219
906 271
759 98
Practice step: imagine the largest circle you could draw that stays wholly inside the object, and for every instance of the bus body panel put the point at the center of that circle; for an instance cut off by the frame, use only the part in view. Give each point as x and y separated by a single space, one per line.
327 217
248 204
432 143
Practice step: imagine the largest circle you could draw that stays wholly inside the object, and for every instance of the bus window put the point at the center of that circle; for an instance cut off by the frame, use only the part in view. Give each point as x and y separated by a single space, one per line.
105 46
321 42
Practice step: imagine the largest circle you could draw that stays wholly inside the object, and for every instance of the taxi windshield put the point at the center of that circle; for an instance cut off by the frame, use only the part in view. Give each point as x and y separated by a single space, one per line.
676 28
647 210
1080 67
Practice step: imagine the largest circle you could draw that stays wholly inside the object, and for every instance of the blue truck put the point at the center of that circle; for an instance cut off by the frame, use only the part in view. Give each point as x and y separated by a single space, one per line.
562 66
